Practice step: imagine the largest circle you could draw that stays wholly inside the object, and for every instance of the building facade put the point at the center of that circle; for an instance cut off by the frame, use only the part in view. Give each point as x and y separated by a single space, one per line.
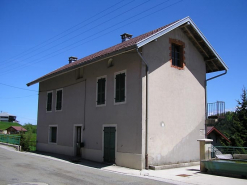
139 103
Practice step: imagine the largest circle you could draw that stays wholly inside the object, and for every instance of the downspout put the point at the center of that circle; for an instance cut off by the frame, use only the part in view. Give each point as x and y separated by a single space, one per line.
146 138
85 97
206 101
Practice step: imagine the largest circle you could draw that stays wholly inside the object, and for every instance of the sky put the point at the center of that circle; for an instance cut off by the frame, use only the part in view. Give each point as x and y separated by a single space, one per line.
37 37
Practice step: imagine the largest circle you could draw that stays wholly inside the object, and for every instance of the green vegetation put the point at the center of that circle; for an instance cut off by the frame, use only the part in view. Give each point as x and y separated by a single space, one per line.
5 125
234 126
28 140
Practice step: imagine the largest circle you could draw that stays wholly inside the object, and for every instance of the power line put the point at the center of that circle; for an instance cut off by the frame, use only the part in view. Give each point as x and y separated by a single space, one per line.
28 51
103 34
18 87
80 33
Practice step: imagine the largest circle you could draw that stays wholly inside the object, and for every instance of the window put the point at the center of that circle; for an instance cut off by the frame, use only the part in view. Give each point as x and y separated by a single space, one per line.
120 87
49 101
101 91
177 53
59 99
53 134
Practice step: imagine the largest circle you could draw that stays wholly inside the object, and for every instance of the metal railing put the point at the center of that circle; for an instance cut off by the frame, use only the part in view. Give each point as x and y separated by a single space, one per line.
11 139
216 110
218 150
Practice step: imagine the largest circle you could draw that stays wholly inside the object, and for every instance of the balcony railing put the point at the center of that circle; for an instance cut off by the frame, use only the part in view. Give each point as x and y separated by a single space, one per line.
216 110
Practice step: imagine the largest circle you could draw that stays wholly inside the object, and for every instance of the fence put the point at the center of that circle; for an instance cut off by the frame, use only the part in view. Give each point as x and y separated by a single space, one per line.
218 150
11 139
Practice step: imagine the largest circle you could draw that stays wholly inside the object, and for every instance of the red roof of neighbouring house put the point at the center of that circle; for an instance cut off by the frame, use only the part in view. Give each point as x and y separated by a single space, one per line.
211 129
18 128
135 43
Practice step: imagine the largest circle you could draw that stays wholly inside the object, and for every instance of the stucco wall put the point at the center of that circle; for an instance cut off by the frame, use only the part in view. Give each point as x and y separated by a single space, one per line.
127 117
176 98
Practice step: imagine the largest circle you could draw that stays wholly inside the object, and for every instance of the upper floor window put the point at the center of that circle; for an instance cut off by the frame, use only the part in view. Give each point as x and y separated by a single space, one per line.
120 87
101 91
49 101
59 99
177 53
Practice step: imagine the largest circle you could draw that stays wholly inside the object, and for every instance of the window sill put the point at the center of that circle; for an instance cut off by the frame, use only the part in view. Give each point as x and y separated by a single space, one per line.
102 105
176 67
51 143
120 103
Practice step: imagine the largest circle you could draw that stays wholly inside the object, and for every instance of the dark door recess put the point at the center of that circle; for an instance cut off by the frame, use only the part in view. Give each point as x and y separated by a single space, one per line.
109 144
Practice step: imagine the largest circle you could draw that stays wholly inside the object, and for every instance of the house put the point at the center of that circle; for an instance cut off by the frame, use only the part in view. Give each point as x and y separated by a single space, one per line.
15 130
138 103
216 136
6 117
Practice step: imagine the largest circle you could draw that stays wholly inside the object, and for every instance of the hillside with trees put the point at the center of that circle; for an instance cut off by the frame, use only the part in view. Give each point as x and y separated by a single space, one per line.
234 125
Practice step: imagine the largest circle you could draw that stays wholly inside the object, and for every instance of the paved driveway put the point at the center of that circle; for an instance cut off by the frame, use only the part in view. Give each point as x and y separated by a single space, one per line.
20 167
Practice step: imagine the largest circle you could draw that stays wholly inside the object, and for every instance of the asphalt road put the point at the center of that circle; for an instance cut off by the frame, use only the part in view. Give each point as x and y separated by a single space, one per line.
19 167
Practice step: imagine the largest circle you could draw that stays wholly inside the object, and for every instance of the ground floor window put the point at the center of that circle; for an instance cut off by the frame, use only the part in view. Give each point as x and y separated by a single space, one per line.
53 134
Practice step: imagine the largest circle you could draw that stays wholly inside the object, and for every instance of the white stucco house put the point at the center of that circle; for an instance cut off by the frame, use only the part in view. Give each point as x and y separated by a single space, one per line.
6 117
139 103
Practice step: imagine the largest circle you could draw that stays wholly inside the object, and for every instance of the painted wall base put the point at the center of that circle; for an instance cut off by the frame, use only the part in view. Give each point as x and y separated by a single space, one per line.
53 148
129 160
92 155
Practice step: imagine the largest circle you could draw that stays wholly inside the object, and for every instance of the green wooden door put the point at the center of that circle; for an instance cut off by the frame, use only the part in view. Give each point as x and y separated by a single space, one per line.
109 144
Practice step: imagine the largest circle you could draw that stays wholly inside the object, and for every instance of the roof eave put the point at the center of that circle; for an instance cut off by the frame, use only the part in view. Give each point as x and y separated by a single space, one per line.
89 62
186 20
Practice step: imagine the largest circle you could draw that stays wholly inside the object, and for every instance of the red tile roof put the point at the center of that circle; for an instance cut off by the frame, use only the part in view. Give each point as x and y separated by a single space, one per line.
18 128
211 129
124 46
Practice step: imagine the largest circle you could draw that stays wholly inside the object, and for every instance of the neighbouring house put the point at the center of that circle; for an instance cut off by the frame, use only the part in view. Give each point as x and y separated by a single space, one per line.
15 130
216 136
6 117
139 103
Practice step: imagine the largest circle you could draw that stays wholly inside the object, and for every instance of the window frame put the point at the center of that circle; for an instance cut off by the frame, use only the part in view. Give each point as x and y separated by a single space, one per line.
50 132
97 79
181 45
125 87
57 110
48 92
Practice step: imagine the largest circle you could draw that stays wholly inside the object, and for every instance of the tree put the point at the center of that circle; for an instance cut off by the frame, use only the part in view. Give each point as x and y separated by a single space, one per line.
28 140
238 129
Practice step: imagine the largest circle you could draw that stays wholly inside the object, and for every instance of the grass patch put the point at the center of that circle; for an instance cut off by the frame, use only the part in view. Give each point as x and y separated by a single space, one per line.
5 125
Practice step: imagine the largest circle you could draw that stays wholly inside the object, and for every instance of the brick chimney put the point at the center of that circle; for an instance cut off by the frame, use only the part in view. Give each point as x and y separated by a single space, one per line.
126 37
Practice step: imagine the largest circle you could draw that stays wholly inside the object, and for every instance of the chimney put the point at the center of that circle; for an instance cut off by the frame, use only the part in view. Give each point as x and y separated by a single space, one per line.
126 37
72 59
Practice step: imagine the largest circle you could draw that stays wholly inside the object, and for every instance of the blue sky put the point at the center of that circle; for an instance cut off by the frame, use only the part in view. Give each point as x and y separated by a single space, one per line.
37 37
